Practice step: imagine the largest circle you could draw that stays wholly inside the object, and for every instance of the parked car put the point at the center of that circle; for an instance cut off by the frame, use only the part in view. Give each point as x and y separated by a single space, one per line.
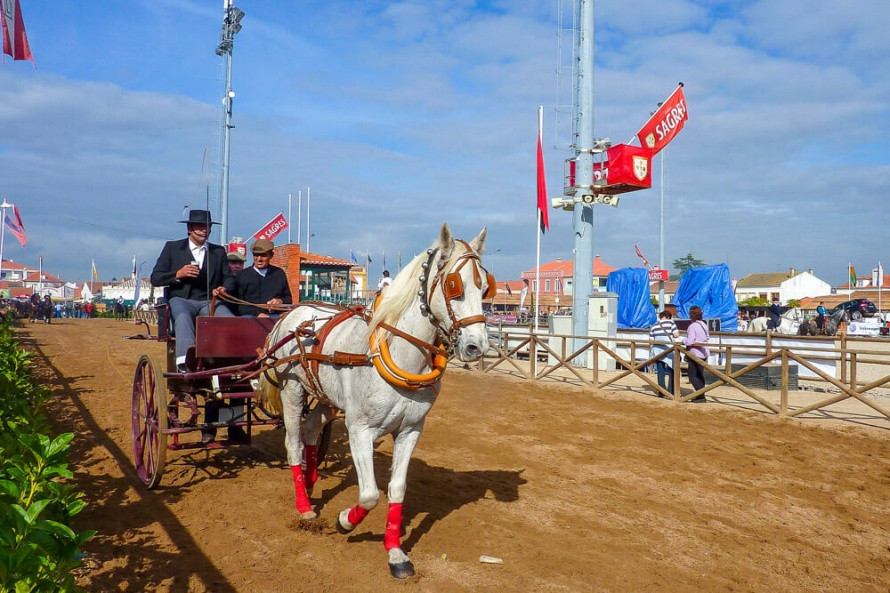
857 308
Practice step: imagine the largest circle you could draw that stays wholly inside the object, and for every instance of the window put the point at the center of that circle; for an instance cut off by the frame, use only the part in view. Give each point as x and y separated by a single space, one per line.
546 285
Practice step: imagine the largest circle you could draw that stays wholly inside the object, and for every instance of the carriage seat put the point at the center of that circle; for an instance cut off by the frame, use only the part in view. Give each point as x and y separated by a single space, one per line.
165 321
231 337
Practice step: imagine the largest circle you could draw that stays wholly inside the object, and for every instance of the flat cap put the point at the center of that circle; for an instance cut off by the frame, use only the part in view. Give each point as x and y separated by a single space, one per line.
262 246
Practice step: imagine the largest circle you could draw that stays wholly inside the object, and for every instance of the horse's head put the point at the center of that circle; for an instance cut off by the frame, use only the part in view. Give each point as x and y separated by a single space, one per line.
456 282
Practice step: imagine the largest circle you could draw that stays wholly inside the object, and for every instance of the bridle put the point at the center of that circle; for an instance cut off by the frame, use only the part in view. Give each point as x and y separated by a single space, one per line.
452 286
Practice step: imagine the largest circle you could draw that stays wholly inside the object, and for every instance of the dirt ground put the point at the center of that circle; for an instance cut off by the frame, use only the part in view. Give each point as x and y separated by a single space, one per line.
575 490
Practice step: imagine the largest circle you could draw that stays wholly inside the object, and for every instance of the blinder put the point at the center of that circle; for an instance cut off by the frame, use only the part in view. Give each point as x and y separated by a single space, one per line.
492 290
453 286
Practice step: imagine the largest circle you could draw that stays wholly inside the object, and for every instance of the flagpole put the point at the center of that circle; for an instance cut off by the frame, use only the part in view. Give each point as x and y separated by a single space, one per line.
289 201
3 208
538 234
308 205
299 215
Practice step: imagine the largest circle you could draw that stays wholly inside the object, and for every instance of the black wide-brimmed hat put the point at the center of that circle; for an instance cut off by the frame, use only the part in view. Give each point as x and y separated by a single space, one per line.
199 217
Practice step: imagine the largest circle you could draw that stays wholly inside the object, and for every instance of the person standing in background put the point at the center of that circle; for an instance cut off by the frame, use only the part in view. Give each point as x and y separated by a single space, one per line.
662 335
696 340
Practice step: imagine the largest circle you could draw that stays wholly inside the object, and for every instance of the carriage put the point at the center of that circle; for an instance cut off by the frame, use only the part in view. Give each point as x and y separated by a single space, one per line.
169 405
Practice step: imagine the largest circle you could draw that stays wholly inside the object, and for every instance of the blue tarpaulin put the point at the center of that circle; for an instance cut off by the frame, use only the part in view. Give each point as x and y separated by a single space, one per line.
635 308
710 288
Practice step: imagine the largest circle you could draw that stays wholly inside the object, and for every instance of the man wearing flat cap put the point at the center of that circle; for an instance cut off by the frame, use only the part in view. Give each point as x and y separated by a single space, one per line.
192 270
262 283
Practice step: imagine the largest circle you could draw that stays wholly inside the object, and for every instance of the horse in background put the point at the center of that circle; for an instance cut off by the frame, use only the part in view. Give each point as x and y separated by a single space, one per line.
383 370
789 323
829 325
120 311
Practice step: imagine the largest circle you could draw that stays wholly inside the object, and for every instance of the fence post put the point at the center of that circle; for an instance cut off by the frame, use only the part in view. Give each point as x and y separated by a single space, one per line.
784 402
843 358
676 371
596 366
853 371
728 360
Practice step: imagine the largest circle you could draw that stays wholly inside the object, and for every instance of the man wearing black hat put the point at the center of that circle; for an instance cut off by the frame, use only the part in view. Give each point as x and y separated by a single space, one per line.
263 283
191 270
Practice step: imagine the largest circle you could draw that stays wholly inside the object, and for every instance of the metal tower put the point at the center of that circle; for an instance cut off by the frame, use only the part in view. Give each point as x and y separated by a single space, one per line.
231 24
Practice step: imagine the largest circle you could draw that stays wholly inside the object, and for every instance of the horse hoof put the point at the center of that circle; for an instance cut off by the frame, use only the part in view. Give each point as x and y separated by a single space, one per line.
340 526
308 516
402 570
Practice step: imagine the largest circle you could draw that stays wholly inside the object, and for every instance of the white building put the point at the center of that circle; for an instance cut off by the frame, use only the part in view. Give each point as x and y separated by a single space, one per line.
127 290
790 285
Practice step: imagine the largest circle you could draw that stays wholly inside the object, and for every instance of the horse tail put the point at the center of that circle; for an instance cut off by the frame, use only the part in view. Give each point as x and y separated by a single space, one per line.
268 386
269 392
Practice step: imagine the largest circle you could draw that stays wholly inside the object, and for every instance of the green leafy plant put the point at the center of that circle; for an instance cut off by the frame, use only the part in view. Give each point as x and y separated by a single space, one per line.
38 547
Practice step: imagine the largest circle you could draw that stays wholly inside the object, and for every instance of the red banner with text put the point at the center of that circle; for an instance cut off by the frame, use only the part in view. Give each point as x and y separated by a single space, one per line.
664 123
272 228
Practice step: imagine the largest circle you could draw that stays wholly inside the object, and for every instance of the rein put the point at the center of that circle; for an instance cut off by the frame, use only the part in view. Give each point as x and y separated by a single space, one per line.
236 301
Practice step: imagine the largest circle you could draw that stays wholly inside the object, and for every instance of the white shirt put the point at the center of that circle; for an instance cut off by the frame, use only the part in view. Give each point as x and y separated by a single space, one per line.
384 282
262 272
198 252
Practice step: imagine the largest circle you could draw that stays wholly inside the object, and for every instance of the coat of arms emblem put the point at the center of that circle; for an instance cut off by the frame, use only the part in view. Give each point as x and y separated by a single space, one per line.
641 167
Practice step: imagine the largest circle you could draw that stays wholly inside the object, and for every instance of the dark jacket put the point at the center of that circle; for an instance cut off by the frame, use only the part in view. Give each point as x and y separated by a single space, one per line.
177 254
254 288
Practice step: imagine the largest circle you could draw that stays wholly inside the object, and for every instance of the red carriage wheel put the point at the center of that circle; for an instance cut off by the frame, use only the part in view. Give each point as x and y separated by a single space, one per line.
149 422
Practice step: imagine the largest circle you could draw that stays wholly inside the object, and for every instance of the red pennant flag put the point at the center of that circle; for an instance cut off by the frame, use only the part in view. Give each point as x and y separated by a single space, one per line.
640 255
542 188
16 226
664 123
15 40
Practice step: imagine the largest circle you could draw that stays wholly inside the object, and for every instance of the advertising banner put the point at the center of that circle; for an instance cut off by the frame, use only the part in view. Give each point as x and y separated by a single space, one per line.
272 228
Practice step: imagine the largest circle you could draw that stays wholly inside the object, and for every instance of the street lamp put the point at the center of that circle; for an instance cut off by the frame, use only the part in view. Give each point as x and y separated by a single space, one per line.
231 25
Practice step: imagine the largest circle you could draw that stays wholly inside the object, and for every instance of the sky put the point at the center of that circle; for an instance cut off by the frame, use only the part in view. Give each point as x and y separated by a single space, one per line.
403 115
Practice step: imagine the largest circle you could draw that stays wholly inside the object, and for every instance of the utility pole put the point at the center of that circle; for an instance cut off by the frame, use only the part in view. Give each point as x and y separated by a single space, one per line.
231 24
582 215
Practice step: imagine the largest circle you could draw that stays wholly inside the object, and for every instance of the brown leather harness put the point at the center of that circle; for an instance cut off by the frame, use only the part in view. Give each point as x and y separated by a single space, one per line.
311 354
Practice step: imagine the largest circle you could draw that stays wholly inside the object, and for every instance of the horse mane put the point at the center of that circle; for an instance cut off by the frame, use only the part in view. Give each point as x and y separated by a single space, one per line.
399 295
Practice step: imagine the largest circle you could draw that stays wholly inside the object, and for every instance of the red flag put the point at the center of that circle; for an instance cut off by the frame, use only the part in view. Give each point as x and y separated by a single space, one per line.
16 226
272 228
542 188
640 255
15 40
664 123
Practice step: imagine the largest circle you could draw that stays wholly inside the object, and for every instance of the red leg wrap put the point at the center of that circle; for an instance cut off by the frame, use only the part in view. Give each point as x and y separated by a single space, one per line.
303 505
311 465
356 515
393 526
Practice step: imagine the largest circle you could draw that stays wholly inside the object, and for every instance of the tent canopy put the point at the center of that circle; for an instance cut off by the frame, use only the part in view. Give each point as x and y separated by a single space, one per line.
710 288
635 309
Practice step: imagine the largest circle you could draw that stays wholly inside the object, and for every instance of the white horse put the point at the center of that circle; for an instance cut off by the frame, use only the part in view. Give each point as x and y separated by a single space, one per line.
432 308
789 323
